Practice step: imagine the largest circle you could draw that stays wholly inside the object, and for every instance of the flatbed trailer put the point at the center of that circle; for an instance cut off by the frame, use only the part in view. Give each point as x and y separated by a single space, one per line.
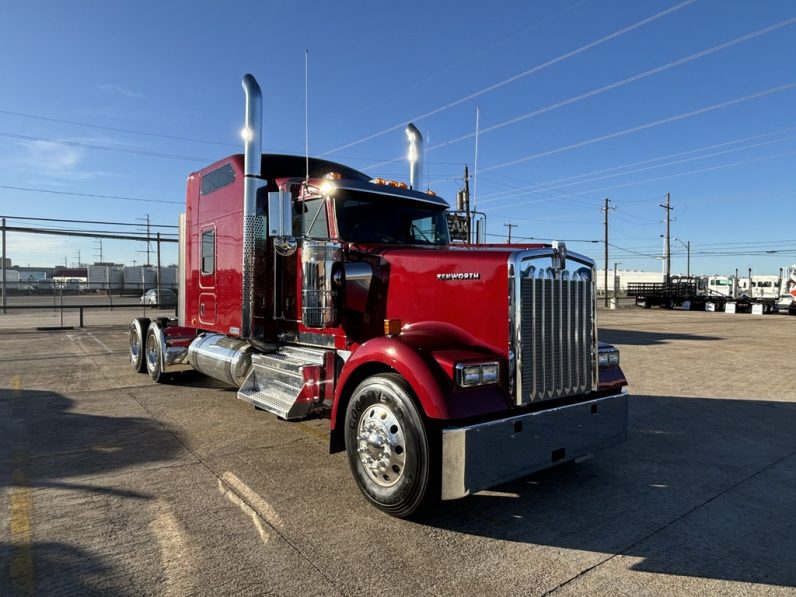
666 295
687 294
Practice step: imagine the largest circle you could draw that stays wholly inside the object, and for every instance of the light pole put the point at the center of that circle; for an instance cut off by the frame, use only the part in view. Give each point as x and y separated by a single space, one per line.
687 246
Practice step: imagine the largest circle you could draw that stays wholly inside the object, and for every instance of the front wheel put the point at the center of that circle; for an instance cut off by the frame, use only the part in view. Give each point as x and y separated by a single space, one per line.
392 456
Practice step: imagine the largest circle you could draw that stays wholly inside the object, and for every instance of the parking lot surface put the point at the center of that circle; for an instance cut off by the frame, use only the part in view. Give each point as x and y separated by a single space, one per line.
110 484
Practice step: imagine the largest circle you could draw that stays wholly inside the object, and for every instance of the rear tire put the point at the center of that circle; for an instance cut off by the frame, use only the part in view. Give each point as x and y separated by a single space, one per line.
153 356
393 457
137 334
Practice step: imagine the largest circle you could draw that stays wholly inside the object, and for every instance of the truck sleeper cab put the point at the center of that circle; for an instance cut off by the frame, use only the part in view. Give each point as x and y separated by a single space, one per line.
443 370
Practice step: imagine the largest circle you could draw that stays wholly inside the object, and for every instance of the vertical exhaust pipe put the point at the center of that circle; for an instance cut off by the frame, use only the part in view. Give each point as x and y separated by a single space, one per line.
253 226
415 157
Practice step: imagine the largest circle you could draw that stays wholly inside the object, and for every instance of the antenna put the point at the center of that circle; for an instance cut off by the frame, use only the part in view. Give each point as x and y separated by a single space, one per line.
475 164
306 114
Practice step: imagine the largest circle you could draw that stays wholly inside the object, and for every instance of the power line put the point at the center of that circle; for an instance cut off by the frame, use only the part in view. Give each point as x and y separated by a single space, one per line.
658 178
85 221
645 126
672 163
120 198
617 84
116 129
516 77
106 148
546 185
86 234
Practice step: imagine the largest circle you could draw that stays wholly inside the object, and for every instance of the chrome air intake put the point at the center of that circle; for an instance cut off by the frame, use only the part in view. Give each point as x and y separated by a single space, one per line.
553 330
415 157
253 225
318 294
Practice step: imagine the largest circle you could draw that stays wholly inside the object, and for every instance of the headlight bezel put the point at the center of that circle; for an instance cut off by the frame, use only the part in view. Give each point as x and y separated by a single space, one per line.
608 357
473 375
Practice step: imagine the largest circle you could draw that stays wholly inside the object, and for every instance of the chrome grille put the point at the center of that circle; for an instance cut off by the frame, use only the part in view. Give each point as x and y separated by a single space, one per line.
556 338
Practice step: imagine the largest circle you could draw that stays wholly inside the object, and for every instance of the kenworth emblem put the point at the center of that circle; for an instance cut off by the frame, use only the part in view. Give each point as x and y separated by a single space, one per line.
459 276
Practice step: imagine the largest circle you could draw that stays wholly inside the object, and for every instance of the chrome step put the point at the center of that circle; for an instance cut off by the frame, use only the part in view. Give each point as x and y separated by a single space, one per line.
276 381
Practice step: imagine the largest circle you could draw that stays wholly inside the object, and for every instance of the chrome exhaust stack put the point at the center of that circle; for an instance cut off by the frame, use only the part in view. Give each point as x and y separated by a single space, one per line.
415 157
253 225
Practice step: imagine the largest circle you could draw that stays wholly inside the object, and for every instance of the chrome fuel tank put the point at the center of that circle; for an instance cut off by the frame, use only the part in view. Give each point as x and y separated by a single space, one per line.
220 357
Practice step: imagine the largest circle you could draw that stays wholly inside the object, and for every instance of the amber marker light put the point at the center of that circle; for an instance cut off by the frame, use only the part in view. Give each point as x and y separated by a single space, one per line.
392 327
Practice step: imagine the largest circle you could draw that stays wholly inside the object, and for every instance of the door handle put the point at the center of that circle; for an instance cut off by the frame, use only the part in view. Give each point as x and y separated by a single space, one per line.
202 309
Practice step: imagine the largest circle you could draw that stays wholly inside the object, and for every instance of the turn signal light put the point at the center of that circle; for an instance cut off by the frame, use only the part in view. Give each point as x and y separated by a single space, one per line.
334 176
392 327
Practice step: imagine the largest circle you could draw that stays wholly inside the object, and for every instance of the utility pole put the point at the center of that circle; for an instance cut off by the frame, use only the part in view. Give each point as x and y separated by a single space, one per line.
466 202
735 284
4 266
148 244
687 246
668 250
616 283
99 249
605 269
688 258
510 226
157 280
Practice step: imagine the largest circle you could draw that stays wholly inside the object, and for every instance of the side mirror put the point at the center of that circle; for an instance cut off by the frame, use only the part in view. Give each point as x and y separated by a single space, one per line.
280 220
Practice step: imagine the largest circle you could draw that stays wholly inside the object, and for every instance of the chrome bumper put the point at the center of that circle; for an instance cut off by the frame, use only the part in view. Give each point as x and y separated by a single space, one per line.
487 454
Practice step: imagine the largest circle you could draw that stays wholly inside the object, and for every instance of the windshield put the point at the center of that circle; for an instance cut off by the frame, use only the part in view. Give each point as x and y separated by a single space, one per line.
370 218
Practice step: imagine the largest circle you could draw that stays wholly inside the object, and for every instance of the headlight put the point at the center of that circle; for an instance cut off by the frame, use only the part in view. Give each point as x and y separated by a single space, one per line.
469 375
608 357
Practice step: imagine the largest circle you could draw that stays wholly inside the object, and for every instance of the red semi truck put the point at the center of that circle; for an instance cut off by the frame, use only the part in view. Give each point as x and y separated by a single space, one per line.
443 369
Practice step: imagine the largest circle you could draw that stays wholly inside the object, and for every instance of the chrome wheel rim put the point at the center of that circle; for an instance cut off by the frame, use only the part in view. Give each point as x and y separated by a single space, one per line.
381 445
135 347
151 351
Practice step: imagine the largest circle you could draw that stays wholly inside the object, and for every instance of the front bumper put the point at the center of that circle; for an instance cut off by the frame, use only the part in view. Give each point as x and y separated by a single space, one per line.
486 454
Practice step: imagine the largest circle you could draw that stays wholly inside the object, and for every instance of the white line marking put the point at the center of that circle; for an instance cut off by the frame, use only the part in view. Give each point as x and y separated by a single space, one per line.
101 343
176 563
251 503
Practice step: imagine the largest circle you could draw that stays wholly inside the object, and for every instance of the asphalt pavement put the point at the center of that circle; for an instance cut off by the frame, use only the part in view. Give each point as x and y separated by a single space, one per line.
110 484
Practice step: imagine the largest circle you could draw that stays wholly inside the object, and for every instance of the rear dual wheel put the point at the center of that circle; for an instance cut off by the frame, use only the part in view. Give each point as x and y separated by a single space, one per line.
393 457
137 336
153 354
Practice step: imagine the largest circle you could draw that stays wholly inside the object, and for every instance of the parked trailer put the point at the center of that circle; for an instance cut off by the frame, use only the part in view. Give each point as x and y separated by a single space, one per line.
668 295
694 296
315 289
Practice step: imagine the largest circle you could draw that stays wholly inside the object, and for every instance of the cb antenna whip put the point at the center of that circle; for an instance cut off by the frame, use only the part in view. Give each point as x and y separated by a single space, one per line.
306 116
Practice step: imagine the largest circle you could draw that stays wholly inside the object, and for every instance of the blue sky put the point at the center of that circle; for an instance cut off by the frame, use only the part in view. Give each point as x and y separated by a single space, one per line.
602 106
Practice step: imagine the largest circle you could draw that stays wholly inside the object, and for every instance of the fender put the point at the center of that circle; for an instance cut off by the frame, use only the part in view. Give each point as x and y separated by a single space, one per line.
405 360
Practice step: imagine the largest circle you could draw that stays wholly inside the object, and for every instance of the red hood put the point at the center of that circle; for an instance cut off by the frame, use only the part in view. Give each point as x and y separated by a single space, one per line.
452 295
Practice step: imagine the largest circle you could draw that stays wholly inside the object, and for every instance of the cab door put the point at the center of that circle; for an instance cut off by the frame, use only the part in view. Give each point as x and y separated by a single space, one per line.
207 274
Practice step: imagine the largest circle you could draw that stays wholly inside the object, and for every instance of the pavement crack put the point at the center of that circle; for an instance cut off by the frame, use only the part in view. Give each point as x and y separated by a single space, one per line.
669 524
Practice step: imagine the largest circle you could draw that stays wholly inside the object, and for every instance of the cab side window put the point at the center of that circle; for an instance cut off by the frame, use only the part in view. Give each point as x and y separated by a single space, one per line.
208 251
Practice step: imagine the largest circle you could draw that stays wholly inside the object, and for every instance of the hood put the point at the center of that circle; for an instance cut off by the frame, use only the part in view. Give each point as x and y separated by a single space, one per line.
450 296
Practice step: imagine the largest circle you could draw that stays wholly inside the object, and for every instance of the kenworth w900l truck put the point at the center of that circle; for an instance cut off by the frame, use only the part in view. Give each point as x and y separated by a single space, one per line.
443 369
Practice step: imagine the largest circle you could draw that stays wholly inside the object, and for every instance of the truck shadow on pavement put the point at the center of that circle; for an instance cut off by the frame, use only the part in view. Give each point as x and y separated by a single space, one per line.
44 444
702 488
63 569
638 338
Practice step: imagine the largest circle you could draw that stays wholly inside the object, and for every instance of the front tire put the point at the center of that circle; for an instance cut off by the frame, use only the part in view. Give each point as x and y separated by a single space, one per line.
137 334
392 457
